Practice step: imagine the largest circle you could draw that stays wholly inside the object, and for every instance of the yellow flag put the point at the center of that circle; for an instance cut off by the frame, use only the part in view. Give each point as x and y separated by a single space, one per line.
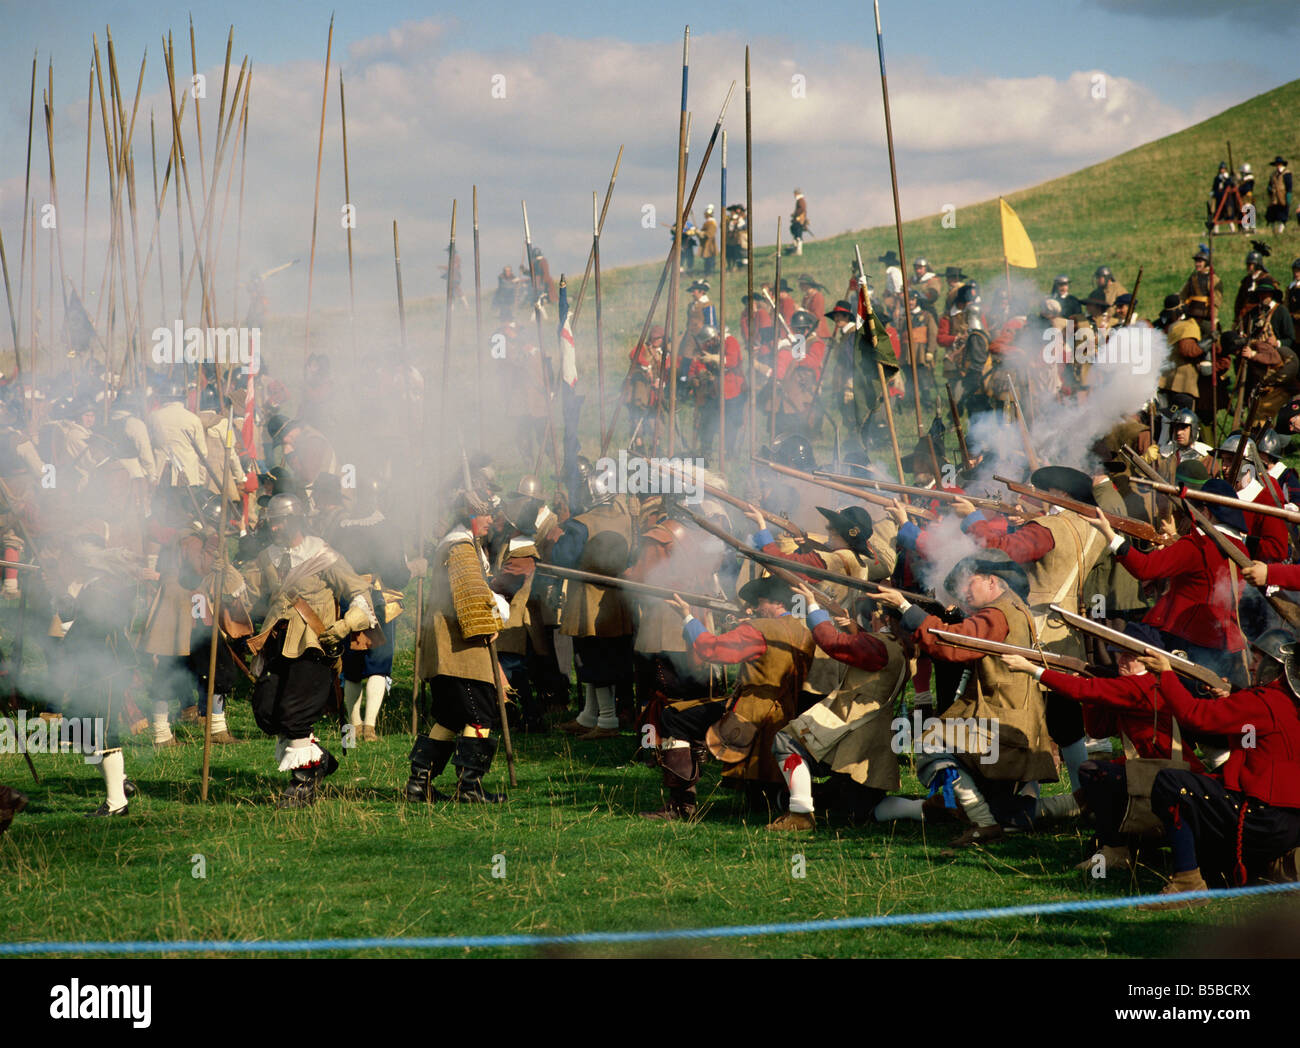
1016 245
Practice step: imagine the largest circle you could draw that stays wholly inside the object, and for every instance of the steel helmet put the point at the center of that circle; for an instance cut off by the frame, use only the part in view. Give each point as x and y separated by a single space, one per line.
285 508
1184 417
1273 444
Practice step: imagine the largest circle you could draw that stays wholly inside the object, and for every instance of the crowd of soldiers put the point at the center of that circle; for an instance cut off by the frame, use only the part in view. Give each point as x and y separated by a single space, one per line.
795 661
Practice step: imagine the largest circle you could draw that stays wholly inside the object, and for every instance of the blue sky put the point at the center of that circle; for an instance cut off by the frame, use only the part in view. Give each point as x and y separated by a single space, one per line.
988 98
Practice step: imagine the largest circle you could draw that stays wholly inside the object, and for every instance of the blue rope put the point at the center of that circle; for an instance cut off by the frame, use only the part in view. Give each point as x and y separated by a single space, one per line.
724 932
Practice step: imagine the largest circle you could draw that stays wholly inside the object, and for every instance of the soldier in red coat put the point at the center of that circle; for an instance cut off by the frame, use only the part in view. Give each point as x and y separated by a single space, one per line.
1128 705
1248 824
1198 611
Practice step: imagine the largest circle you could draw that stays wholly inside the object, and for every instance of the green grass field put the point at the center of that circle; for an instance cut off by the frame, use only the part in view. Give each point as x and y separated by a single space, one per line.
365 863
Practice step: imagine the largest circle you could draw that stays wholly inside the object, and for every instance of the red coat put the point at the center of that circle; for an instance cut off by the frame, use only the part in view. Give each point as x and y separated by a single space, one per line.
1198 606
1028 543
1263 732
1112 705
985 624
814 356
864 650
1266 537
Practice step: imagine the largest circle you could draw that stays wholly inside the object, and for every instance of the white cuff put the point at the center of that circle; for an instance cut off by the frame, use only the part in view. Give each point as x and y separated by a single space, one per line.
1037 671
1116 542
814 606
905 607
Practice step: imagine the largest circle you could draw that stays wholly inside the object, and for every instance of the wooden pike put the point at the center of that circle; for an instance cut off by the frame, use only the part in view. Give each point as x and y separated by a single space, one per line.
9 297
902 253
198 119
27 195
243 163
670 328
347 200
219 589
478 330
538 290
749 269
315 209
1030 454
600 226
663 276
54 199
722 325
85 200
417 686
600 322
446 331
777 319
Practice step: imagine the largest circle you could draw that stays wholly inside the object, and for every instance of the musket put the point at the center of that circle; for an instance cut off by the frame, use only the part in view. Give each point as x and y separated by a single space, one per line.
768 560
1119 639
939 494
1048 659
1137 529
784 523
844 489
777 566
631 586
1030 454
1218 500
956 422
1131 313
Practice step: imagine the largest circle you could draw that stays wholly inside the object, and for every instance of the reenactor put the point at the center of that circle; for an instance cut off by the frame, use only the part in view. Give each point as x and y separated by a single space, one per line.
814 301
1111 289
601 540
925 344
372 544
737 236
926 281
1255 272
708 238
313 601
701 312
799 223
989 788
773 650
848 734
1195 295
1279 196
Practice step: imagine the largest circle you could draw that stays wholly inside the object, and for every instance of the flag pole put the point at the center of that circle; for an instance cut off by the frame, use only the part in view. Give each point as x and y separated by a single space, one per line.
776 324
347 199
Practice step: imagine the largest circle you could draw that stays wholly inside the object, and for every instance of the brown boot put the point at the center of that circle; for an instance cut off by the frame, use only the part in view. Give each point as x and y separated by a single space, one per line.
1283 869
794 820
1183 881
574 727
681 772
368 733
224 738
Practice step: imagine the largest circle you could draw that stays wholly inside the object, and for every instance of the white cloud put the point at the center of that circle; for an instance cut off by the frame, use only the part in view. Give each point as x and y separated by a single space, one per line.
424 126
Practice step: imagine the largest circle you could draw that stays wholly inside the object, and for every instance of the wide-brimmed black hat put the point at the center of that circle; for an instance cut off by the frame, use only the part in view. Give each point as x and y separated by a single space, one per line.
698 285
841 308
1073 483
989 562
919 460
784 285
954 273
890 258
1228 516
768 587
1278 160
808 280
853 525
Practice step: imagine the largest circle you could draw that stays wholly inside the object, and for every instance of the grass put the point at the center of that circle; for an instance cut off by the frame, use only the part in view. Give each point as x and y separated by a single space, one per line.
365 863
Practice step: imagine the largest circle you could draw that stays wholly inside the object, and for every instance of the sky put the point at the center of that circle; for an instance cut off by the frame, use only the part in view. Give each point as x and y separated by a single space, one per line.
986 99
